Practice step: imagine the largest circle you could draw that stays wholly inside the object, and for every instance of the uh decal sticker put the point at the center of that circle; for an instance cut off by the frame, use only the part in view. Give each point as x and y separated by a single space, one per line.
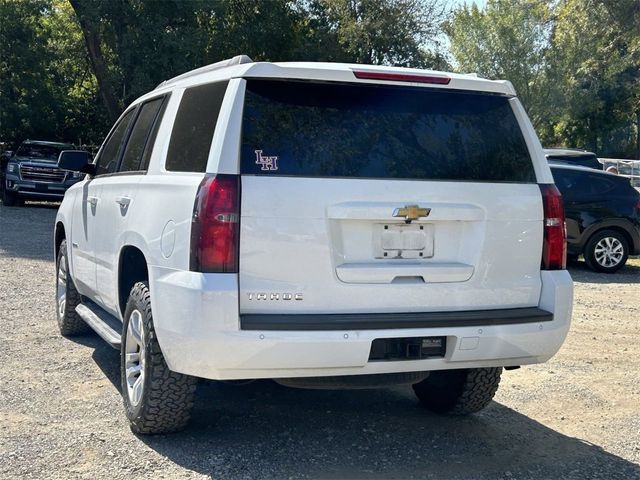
266 162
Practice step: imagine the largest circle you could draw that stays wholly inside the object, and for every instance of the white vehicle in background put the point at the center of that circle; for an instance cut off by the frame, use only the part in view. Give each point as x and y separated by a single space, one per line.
323 225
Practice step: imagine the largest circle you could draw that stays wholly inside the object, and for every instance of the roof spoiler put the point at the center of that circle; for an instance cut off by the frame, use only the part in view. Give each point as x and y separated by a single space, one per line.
237 60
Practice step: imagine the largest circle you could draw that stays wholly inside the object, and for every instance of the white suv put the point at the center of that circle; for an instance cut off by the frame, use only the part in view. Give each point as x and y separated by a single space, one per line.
322 225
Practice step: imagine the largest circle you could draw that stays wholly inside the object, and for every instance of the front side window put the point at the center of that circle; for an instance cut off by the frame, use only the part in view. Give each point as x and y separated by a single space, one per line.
194 127
387 132
109 155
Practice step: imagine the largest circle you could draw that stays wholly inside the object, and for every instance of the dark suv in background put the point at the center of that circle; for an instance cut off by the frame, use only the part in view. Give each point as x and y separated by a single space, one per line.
32 172
573 156
603 216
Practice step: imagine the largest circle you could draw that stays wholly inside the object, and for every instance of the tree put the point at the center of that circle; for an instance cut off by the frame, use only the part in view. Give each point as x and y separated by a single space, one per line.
506 40
384 32
597 57
69 67
574 63
27 100
90 30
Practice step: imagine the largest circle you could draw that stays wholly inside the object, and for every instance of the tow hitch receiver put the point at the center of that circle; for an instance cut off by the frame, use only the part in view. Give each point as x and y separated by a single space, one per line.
412 348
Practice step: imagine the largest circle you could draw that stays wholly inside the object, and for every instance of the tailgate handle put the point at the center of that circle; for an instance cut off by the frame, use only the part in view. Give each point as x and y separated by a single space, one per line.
383 272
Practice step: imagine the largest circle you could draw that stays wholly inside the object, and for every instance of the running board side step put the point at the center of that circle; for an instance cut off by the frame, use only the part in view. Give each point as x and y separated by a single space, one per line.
100 321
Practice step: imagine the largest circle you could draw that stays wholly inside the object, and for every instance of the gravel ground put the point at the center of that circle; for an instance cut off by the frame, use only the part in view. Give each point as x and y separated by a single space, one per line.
576 417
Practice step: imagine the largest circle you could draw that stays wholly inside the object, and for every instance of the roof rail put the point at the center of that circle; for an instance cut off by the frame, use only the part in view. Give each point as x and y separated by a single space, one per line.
237 60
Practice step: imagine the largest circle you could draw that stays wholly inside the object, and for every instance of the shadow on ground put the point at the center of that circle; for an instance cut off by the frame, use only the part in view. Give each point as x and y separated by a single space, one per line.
583 274
280 432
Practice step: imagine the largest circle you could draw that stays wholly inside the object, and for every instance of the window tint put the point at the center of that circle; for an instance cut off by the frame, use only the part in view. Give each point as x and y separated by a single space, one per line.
346 130
108 159
601 184
582 184
194 126
139 134
146 156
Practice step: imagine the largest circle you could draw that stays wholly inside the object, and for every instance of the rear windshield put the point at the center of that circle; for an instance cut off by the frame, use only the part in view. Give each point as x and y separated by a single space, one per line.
361 131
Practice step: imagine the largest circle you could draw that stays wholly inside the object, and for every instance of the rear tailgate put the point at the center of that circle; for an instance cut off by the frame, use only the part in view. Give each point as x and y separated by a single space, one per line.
359 199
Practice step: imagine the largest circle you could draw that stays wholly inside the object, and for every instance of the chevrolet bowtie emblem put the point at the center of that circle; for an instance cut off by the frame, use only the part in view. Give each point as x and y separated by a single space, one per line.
411 212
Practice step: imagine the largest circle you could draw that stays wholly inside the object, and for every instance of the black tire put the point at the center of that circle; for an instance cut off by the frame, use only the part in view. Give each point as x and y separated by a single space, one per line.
458 392
166 398
592 244
10 199
69 322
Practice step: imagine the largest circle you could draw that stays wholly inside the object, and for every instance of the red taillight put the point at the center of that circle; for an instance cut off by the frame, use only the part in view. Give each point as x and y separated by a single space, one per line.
554 250
215 229
401 77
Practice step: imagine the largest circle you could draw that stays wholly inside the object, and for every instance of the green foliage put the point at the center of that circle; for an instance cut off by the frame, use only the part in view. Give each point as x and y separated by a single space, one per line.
506 40
47 89
67 67
574 63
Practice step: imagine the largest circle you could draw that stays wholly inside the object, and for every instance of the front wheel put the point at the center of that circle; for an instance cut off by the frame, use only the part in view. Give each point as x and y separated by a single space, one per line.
458 392
606 251
67 298
156 400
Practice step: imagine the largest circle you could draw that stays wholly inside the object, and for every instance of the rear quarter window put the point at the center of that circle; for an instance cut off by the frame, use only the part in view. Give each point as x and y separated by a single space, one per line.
194 126
362 131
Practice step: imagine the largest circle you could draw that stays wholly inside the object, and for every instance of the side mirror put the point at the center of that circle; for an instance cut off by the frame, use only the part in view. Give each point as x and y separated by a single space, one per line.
76 161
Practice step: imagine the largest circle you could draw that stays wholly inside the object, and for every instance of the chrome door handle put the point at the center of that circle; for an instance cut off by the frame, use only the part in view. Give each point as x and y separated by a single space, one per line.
123 201
92 200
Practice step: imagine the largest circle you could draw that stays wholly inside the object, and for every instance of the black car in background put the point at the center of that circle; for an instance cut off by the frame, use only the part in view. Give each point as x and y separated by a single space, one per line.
31 172
603 216
573 156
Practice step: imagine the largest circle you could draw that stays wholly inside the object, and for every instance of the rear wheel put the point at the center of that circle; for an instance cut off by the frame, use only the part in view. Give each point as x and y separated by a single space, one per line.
156 399
458 392
606 251
67 298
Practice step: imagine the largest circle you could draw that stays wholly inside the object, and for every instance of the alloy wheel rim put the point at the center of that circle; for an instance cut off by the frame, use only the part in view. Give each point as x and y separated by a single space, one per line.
61 288
609 252
135 358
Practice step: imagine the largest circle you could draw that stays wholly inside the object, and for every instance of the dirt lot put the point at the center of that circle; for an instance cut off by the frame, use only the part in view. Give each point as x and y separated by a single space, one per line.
576 417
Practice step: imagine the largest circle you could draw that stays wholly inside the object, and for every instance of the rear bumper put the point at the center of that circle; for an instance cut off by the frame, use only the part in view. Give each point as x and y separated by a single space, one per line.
199 329
380 321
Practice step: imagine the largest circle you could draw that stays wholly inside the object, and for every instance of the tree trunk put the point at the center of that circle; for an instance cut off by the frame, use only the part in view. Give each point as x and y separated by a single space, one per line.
92 39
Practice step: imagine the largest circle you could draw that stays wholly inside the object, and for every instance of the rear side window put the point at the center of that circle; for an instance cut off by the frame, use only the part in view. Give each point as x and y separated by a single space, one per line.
602 184
363 131
194 126
139 135
583 184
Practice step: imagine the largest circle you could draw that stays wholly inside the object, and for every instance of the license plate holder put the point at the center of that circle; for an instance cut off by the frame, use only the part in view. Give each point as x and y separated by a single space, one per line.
402 240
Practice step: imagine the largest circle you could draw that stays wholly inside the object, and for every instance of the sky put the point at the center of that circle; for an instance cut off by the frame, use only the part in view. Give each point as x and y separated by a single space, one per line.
456 3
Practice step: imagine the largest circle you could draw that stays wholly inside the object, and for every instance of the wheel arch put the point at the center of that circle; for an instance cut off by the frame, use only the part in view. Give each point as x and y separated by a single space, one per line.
58 236
616 227
132 268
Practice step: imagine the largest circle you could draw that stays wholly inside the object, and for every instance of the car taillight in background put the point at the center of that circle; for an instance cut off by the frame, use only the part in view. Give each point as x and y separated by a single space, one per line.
554 250
215 229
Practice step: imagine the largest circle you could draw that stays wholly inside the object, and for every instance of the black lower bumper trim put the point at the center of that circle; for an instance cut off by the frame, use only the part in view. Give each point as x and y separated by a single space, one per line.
380 321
